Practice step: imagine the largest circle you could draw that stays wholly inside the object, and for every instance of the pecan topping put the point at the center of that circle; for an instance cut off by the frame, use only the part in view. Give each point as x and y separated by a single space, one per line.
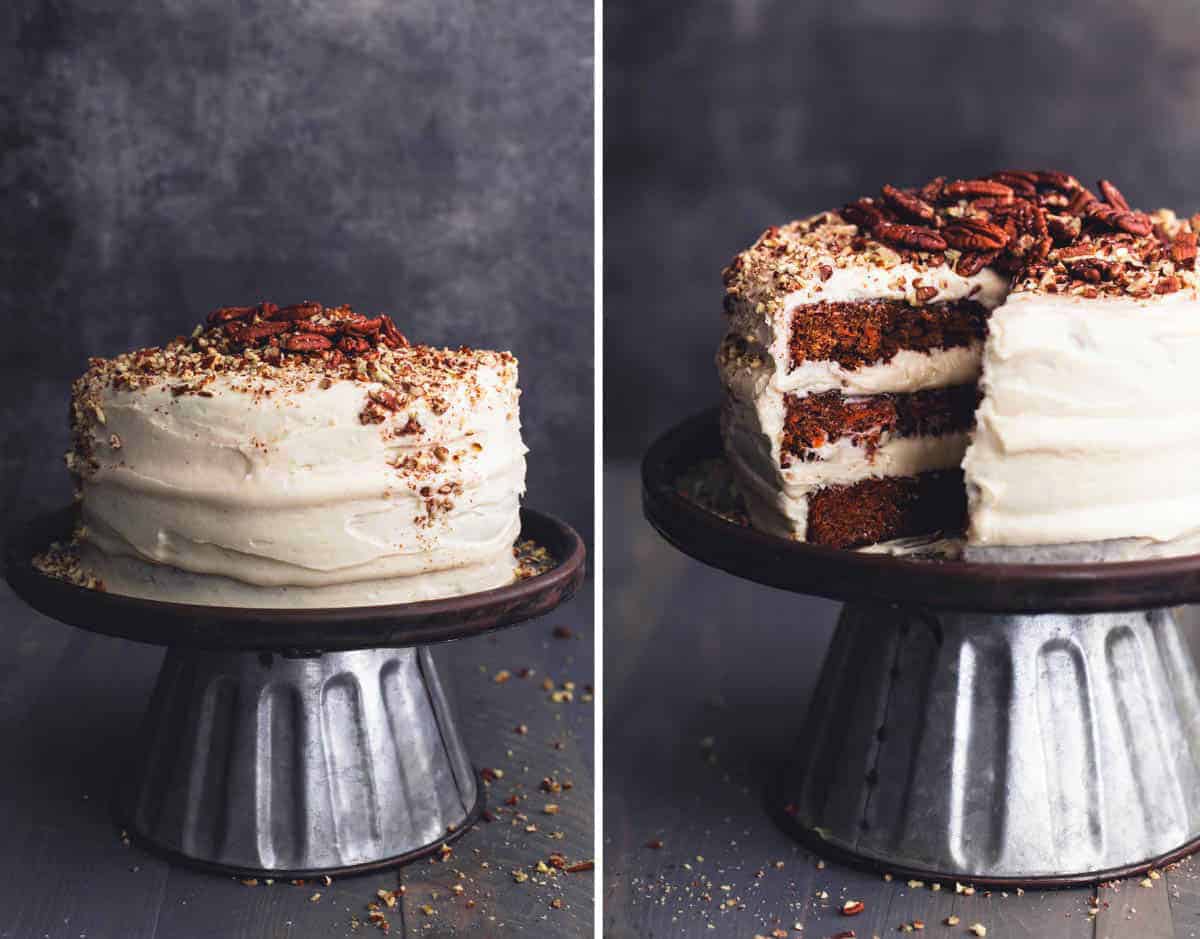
1018 222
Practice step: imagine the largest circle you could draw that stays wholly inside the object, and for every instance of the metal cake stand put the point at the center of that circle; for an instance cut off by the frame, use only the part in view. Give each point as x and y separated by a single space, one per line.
293 743
1011 724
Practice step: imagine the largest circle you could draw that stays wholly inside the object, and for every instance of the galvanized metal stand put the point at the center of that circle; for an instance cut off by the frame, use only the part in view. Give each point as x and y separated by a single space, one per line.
995 746
293 743
274 765
997 722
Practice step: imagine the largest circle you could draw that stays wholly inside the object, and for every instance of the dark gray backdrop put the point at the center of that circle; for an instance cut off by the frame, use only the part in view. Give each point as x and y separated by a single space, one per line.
726 116
431 158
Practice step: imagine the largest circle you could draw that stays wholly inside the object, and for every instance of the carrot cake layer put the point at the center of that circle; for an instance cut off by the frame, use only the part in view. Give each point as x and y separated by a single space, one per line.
882 509
816 420
869 332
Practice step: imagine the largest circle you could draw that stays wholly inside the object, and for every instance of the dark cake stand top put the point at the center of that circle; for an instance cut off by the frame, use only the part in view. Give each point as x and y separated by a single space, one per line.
930 583
304 631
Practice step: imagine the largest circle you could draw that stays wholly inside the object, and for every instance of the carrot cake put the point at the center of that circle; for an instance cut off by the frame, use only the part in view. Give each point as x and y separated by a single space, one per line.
297 456
868 347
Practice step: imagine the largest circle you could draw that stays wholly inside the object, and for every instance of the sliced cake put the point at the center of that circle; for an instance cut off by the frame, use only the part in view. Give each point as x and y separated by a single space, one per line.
856 338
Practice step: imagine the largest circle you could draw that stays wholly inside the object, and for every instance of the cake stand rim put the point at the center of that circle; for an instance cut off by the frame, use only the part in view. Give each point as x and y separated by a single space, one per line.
847 575
299 631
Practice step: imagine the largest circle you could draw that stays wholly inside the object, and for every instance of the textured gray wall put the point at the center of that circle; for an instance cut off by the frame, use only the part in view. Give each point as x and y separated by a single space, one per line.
726 116
431 158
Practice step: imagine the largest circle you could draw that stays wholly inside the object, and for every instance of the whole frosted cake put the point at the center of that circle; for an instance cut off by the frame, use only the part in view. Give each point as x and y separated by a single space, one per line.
297 456
1013 356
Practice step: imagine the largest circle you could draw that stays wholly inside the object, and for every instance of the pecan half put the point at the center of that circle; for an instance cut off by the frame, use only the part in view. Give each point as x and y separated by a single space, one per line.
391 335
863 213
1023 184
932 190
910 236
362 325
257 331
305 342
1133 222
1112 195
973 234
907 204
971 264
295 312
353 345
969 188
1056 180
228 314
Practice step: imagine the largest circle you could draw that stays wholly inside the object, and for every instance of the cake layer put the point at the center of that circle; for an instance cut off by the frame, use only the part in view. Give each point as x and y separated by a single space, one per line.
882 509
812 421
871 332
300 484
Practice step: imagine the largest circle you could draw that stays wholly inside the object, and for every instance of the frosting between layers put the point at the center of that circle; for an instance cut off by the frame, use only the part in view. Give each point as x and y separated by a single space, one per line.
755 367
1095 399
266 494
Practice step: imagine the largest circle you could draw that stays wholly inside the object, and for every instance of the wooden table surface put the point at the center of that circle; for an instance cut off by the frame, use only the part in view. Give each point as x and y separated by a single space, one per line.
706 683
70 703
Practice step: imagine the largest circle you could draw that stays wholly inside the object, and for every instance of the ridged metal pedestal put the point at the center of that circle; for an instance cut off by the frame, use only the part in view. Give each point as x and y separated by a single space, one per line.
1002 746
1007 723
272 765
292 743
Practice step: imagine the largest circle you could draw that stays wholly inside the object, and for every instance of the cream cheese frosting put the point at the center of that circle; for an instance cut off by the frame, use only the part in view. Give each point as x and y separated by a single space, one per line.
294 487
1087 429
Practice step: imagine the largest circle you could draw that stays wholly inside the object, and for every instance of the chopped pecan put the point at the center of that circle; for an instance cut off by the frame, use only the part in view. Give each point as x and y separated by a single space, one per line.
1183 249
353 345
385 398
